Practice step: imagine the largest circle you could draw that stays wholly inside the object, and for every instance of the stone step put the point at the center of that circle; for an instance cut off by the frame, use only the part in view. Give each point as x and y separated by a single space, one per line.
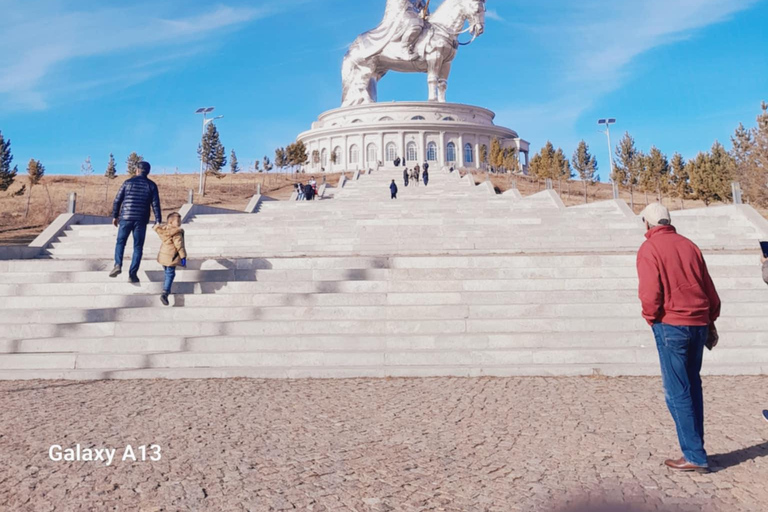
312 342
416 298
118 286
480 261
328 372
296 314
369 274
391 363
577 326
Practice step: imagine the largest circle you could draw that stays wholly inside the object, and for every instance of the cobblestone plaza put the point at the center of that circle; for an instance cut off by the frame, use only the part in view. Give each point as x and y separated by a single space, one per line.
518 444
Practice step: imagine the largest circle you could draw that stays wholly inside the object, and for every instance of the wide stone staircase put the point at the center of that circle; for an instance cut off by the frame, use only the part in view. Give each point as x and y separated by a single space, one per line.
449 279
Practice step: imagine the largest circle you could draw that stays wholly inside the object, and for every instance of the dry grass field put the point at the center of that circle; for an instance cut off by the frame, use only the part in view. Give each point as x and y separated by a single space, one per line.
95 195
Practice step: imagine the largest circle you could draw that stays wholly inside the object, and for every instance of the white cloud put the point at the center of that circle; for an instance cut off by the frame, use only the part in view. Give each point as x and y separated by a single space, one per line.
61 36
593 45
493 14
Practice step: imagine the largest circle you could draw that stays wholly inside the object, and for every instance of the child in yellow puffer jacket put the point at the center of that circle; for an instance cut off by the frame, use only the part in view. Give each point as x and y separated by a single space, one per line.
172 252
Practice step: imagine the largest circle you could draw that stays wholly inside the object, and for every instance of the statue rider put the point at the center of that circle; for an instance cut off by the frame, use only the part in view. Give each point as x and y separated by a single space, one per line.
416 12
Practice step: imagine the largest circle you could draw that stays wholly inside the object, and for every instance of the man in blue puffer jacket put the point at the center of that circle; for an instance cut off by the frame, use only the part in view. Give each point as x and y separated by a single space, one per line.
130 214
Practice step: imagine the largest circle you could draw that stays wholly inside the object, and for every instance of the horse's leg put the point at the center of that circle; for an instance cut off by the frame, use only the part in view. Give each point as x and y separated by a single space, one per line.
442 82
432 75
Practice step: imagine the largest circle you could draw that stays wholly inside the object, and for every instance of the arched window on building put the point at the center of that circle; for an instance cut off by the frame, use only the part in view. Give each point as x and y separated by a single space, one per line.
324 158
450 153
354 154
391 152
339 160
371 154
386 118
412 154
357 121
448 119
418 118
432 152
469 153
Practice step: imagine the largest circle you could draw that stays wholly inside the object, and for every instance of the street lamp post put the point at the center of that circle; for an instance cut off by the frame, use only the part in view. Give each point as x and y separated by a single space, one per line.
608 122
205 111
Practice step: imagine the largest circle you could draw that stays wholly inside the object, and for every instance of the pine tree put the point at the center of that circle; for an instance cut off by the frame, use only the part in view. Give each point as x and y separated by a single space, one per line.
7 174
585 166
544 164
483 154
280 159
35 172
497 154
296 154
750 155
627 166
256 166
657 168
510 160
234 165
679 178
132 164
562 169
211 151
266 164
111 172
711 174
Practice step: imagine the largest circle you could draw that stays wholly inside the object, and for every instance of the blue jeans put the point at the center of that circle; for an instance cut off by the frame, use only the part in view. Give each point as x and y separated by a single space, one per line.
170 275
681 349
139 231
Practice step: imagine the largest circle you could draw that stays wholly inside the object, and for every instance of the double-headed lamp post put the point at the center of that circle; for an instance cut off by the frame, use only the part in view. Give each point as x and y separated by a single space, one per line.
205 111
607 123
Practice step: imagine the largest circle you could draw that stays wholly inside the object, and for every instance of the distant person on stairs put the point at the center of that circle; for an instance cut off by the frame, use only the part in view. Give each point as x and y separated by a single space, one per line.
415 177
425 177
681 304
393 189
405 177
172 254
130 215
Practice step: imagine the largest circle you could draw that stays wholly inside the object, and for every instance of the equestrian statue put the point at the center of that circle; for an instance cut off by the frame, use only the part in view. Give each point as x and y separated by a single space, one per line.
410 40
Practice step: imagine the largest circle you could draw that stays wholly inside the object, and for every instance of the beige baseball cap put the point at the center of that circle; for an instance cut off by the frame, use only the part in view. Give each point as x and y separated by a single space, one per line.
656 214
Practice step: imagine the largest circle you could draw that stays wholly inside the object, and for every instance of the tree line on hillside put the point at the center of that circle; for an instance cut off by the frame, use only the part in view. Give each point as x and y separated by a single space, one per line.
707 177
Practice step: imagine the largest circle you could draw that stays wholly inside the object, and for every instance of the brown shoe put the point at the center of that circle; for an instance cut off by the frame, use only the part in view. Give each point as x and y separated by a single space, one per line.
683 465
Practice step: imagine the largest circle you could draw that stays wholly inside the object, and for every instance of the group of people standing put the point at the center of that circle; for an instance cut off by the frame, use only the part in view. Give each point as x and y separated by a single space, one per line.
416 174
306 191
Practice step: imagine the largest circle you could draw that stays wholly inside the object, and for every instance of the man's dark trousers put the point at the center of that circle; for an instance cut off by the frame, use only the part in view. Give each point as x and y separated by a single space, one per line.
681 349
138 229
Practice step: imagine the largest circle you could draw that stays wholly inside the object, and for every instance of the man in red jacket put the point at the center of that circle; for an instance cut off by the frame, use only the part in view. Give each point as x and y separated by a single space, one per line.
681 305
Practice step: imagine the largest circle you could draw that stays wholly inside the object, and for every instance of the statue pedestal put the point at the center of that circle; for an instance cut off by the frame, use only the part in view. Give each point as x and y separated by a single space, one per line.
443 134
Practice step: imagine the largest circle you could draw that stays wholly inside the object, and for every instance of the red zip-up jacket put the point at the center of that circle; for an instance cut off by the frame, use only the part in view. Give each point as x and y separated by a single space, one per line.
675 286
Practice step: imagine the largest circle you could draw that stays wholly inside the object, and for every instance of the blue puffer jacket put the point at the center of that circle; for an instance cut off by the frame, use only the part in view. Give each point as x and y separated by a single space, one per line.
134 199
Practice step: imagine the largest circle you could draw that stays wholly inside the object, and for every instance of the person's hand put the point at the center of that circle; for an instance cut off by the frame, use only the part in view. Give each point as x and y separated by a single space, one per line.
114 222
714 338
183 262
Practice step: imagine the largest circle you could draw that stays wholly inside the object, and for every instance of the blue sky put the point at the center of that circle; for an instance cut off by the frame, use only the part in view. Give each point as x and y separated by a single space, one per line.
85 78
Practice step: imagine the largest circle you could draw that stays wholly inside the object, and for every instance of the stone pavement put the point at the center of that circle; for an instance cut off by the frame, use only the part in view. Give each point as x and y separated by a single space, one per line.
378 445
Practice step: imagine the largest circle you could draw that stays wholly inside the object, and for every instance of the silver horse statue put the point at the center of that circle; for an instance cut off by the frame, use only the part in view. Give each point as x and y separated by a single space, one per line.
410 40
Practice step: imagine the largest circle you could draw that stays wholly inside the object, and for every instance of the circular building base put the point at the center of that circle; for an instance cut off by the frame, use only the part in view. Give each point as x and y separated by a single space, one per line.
374 135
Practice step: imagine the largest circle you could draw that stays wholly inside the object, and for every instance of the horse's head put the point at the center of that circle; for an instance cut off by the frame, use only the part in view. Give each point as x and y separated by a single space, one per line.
475 11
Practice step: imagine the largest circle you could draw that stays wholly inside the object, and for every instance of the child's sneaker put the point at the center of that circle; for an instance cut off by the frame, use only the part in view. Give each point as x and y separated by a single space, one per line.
164 299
